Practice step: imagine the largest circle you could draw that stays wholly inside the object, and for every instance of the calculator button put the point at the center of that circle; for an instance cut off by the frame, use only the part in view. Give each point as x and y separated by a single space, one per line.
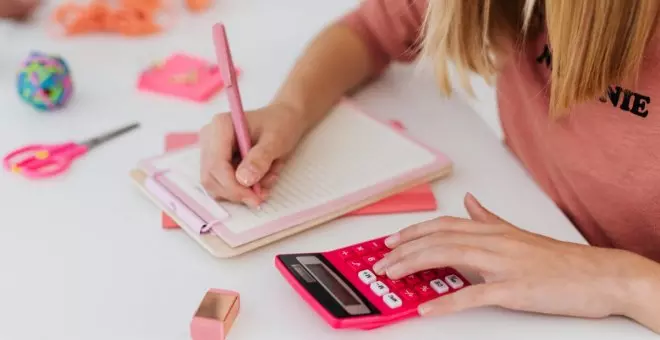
412 280
356 265
360 250
370 260
408 294
454 281
439 286
424 290
395 284
375 245
379 288
382 254
346 254
392 300
367 277
428 275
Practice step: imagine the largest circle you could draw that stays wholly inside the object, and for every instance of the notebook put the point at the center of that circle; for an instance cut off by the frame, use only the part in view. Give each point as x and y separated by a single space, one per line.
417 199
348 161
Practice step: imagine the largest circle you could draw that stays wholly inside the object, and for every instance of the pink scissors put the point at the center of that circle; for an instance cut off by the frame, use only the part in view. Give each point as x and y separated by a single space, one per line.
41 161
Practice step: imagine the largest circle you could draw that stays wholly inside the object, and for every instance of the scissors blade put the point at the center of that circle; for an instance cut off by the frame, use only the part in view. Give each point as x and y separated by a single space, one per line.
96 141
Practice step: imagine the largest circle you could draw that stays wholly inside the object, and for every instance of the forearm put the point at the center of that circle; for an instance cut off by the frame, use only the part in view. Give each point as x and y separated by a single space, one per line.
334 63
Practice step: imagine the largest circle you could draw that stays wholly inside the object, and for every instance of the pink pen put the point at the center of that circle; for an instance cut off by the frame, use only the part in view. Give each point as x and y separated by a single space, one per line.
228 73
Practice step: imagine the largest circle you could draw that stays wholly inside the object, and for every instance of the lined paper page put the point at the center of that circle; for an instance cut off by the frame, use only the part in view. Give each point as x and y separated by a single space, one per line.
344 154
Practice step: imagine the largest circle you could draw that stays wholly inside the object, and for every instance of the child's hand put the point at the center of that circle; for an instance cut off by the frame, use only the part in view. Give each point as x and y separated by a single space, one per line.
275 131
17 9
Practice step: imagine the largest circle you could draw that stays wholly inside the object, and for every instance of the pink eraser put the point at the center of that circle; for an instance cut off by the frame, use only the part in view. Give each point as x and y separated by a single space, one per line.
183 76
215 315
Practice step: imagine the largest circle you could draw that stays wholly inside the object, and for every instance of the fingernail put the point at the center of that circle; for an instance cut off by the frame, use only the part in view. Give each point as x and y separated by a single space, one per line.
246 175
392 240
251 202
423 310
379 267
394 272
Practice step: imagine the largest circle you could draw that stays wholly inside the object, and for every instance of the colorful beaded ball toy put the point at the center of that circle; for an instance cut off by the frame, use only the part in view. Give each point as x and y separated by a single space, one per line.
44 82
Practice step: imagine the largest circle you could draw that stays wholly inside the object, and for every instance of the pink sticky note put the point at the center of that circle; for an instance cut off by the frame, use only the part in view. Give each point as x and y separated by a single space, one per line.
183 76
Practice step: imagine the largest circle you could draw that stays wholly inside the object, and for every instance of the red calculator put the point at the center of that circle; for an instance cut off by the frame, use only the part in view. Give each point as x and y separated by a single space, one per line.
342 287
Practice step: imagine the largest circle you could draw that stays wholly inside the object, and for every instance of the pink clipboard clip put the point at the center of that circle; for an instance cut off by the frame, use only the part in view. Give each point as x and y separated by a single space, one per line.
227 70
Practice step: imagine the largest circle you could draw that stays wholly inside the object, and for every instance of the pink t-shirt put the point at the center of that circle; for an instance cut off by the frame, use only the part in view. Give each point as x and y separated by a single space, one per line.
601 165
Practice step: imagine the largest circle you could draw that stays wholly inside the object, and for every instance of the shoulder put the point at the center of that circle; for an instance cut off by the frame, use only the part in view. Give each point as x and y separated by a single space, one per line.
394 8
390 28
398 15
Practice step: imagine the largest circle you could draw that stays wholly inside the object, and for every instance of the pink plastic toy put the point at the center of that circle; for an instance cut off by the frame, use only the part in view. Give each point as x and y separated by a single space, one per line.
215 315
183 76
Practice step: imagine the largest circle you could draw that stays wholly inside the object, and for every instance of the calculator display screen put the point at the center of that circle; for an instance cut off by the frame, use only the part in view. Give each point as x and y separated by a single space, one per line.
328 286
332 285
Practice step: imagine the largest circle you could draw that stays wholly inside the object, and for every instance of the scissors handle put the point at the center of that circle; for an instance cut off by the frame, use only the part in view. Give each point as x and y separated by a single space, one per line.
41 161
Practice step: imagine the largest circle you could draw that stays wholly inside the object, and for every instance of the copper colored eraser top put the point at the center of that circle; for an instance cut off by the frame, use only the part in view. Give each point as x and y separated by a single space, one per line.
215 315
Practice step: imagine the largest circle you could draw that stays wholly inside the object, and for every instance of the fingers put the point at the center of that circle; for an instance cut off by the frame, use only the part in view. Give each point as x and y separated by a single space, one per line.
229 175
485 242
269 180
221 184
438 257
478 213
489 224
482 295
445 224
258 161
217 172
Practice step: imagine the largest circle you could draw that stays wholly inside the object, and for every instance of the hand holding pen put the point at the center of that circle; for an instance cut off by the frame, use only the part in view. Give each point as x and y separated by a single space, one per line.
249 177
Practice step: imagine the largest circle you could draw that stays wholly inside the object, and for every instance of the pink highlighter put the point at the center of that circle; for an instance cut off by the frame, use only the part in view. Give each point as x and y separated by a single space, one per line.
227 70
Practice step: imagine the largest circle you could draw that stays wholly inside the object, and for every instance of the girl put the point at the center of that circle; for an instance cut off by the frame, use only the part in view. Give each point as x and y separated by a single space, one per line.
576 82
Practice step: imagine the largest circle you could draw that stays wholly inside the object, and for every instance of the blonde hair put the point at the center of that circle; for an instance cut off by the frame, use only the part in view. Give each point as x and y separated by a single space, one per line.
594 43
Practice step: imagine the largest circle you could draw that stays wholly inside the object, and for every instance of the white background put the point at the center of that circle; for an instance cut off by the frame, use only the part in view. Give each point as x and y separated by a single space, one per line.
83 256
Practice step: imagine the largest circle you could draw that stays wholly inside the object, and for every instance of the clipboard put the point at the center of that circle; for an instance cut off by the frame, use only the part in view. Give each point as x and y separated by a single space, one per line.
220 246
418 199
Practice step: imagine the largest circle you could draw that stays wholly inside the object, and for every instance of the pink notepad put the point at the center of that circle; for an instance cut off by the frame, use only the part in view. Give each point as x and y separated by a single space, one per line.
183 76
417 199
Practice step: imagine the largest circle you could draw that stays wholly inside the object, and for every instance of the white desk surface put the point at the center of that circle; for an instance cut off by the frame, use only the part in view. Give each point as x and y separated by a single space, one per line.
83 256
